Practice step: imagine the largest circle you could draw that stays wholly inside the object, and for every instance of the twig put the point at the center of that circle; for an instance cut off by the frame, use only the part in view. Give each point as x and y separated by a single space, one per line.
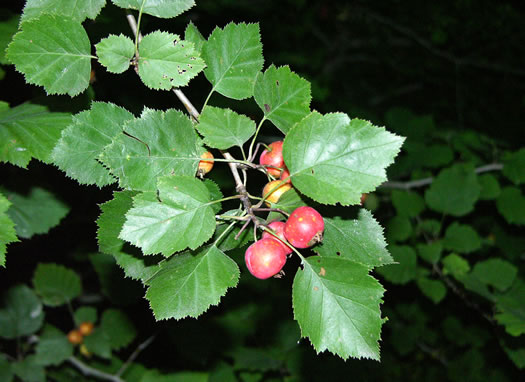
88 371
134 355
427 181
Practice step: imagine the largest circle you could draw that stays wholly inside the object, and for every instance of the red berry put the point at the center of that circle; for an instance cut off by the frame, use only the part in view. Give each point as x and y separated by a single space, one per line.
278 228
304 227
75 337
273 156
86 328
265 258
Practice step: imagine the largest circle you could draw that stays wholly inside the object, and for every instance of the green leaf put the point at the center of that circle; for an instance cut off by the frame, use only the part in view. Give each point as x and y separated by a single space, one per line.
157 8
332 159
229 242
234 57
283 96
288 202
84 140
336 303
408 203
455 265
398 228
7 29
115 53
189 283
513 165
98 343
53 347
245 358
511 204
7 229
360 240
85 314
495 272
224 128
430 252
118 328
192 34
166 61
29 131
56 284
454 191
110 224
35 213
489 187
6 370
433 289
28 370
512 310
79 10
517 356
156 144
461 238
406 269
22 314
54 52
215 194
178 218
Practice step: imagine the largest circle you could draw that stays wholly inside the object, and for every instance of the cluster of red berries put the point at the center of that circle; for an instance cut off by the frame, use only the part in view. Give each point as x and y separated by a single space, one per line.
266 257
76 336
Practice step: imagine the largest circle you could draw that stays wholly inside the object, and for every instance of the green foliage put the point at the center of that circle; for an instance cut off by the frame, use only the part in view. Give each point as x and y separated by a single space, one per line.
224 128
461 238
56 284
180 216
495 272
62 65
21 314
115 53
166 61
156 144
78 11
53 348
157 8
118 328
513 165
7 29
85 314
511 204
405 270
283 96
408 203
188 283
7 228
233 56
29 131
454 191
329 157
35 213
335 287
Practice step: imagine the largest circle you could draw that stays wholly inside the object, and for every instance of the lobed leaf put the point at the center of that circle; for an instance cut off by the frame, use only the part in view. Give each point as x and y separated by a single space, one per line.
233 56
360 240
56 284
119 329
98 343
115 53
192 34
7 29
511 204
156 144
158 8
53 347
83 141
495 272
29 370
36 213
333 159
461 238
178 218
283 96
513 165
53 51
189 283
430 252
336 303
224 128
29 131
22 314
7 228
454 191
78 10
406 268
433 289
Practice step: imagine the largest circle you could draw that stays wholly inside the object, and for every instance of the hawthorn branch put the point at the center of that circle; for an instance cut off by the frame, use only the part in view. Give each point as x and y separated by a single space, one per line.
135 354
427 181
89 371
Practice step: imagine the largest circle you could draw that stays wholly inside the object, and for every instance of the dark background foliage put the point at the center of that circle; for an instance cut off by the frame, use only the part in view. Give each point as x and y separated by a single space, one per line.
459 61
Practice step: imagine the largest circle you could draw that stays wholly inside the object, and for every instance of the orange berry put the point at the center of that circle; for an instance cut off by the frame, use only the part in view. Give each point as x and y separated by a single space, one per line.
75 337
272 191
205 166
86 328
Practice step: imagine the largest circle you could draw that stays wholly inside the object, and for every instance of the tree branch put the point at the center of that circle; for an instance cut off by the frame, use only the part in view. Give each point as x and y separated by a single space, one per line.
427 181
88 371
134 355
